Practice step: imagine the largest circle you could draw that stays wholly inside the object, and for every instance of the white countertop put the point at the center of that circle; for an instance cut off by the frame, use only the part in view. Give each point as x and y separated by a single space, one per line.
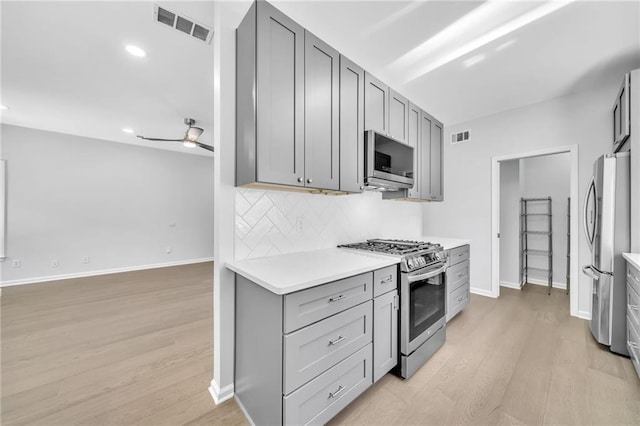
447 243
287 273
633 258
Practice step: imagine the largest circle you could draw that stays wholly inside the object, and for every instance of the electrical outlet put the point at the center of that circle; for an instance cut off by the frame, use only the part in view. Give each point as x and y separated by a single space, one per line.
299 224
168 250
86 259
16 263
54 263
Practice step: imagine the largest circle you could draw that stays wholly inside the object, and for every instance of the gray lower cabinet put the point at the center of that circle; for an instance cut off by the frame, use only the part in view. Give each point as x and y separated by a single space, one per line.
457 281
287 104
633 315
351 126
302 357
385 321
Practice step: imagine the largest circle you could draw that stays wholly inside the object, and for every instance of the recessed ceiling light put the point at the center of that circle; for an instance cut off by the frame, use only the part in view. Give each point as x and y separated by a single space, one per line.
4 107
127 130
474 60
136 51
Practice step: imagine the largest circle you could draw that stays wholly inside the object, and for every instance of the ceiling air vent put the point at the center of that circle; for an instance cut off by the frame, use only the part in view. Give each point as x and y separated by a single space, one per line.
182 23
463 136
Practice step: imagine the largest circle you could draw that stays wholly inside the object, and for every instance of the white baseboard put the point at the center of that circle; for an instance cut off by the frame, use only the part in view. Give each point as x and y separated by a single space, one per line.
537 281
584 315
482 292
220 395
508 284
102 272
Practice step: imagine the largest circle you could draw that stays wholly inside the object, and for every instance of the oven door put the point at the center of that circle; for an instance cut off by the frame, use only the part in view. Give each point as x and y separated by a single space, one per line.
422 298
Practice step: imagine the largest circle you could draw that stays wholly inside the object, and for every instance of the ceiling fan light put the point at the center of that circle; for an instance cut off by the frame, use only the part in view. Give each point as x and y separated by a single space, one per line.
193 133
189 144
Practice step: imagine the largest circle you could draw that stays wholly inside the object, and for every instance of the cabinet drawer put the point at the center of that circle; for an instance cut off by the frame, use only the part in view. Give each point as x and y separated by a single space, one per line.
633 278
385 280
457 300
318 347
633 306
458 254
633 344
308 306
322 398
457 275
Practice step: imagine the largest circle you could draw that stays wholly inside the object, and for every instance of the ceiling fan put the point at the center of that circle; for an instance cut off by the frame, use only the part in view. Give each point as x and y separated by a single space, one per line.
190 139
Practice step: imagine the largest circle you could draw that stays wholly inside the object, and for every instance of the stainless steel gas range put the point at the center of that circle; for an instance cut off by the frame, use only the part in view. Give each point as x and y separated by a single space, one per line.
422 298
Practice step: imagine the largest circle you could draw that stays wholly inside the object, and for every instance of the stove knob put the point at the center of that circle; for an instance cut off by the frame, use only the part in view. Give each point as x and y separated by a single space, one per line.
410 263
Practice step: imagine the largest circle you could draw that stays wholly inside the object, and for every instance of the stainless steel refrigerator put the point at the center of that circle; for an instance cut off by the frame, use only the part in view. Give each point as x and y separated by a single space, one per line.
607 227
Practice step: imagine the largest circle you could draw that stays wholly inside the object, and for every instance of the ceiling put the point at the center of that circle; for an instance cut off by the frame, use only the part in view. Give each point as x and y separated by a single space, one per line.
64 67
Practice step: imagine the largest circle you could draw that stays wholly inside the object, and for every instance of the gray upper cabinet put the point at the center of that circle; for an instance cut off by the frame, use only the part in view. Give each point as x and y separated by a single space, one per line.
321 146
376 104
280 96
270 103
415 139
436 159
398 116
351 126
431 158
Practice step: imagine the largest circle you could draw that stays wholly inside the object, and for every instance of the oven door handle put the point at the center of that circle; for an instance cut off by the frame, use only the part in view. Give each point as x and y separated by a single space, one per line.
414 278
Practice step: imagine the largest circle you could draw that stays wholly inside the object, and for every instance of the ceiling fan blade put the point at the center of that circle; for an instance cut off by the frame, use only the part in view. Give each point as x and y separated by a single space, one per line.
201 145
160 140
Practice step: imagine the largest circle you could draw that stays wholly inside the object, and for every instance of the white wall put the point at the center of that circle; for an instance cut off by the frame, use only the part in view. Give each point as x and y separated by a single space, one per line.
509 222
583 119
71 196
274 222
548 176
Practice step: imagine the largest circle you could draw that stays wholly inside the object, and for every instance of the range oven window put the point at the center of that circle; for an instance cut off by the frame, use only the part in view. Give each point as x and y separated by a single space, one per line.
426 304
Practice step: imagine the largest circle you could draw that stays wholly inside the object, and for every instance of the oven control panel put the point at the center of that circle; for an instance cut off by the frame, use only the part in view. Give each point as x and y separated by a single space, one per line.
412 263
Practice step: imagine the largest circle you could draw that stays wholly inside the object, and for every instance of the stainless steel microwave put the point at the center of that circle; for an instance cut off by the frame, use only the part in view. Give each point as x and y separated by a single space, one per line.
388 163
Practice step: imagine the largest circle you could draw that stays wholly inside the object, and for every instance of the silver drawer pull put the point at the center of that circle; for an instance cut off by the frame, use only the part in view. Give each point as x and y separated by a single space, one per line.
460 274
336 298
460 299
460 254
387 280
633 345
634 307
338 392
338 340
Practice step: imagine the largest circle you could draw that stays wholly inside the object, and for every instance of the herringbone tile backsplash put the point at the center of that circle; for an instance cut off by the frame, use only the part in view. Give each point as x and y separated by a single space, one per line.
275 222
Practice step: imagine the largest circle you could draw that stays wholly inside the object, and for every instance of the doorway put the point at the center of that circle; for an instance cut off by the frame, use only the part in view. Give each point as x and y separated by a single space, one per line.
510 164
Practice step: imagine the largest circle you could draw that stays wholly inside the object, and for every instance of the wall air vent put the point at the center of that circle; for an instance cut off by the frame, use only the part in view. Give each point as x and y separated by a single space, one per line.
182 23
463 136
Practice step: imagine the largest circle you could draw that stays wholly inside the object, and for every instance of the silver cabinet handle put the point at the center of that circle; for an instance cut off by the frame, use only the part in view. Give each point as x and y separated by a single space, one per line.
300 179
387 280
336 298
634 345
460 299
337 392
460 254
361 187
309 180
460 274
336 341
634 307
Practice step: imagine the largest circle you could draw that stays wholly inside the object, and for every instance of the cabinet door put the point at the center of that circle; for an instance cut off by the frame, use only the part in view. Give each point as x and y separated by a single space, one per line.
376 104
351 126
321 145
398 116
280 98
385 334
435 165
426 122
415 138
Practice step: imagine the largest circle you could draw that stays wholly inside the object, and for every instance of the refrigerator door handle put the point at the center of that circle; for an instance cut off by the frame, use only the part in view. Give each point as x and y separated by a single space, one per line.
590 272
590 233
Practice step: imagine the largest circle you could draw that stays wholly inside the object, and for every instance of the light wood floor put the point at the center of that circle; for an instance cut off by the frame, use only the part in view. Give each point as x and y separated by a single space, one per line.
136 348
